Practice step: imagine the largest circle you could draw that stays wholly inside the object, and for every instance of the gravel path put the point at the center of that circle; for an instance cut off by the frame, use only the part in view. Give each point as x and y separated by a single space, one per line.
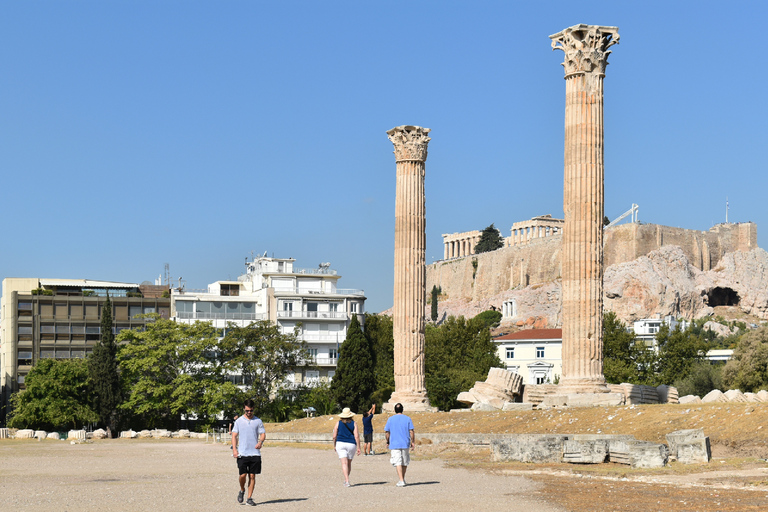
189 475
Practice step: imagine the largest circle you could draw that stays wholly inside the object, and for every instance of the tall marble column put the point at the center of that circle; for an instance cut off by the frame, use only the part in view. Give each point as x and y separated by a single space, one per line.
586 56
410 271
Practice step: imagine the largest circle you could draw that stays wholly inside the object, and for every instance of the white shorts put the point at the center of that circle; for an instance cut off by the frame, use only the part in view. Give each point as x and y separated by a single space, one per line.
400 457
346 450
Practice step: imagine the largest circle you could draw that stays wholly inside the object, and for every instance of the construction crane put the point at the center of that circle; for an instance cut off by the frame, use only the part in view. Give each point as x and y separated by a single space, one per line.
632 211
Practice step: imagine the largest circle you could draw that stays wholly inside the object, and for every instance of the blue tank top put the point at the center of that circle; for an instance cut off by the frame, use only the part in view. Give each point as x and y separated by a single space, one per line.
344 434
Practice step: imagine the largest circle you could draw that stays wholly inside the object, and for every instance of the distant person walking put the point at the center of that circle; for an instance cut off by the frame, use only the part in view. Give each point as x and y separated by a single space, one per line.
346 441
400 440
368 431
248 436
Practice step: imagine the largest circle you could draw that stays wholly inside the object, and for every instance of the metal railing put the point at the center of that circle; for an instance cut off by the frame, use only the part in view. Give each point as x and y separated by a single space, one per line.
312 314
200 315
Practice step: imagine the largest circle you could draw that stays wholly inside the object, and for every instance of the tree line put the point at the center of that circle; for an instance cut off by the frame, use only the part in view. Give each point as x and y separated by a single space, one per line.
165 372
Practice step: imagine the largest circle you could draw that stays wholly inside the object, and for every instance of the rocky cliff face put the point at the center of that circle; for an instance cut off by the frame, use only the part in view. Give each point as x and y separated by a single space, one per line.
664 282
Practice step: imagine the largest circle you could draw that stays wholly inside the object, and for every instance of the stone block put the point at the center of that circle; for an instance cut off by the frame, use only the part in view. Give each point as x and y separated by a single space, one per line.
144 433
517 406
638 454
159 433
481 406
762 395
100 434
466 397
714 396
41 434
554 401
689 399
751 397
76 434
528 448
461 410
183 433
682 436
585 451
667 394
735 395
696 451
4 433
53 435
128 434
25 433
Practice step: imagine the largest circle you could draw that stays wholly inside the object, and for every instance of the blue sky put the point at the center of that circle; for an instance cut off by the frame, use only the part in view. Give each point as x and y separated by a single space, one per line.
134 134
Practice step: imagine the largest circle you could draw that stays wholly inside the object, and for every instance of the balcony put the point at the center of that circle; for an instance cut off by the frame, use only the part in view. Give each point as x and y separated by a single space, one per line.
293 290
330 315
185 315
320 361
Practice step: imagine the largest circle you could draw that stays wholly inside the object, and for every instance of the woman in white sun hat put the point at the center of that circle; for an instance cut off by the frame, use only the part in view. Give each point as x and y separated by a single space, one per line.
346 441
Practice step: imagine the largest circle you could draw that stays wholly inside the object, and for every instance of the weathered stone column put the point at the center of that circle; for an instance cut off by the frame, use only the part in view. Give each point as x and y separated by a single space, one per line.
410 271
586 56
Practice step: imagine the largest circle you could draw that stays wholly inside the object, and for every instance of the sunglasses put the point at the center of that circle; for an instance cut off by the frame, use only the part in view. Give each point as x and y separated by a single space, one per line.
248 410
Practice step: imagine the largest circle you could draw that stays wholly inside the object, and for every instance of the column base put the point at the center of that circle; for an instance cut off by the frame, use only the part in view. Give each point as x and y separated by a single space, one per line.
573 385
412 402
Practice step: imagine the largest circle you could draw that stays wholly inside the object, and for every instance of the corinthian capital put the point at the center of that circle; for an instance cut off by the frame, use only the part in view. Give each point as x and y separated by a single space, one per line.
585 47
410 142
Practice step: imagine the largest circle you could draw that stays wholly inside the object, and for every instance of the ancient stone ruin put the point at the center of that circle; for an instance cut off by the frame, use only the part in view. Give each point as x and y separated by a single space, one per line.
410 297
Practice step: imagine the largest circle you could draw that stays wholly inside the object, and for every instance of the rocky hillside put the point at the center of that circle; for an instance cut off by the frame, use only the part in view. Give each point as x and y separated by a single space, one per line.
662 283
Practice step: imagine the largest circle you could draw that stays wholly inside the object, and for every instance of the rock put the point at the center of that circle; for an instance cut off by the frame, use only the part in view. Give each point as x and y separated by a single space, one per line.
183 433
26 433
144 434
99 434
689 399
159 433
53 435
734 395
719 329
41 434
128 434
466 397
714 396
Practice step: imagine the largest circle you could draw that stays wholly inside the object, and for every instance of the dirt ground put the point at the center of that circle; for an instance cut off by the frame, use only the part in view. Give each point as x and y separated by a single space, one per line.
735 480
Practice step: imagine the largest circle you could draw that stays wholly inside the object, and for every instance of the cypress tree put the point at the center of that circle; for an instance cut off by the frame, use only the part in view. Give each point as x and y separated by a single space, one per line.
354 380
490 240
103 370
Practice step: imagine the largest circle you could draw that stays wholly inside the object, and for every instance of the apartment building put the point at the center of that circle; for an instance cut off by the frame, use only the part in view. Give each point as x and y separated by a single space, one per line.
61 319
307 299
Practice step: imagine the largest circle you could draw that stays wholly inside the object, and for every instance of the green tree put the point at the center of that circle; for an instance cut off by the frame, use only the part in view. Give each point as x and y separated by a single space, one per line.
679 351
172 369
490 240
457 354
105 373
433 302
263 356
57 395
379 331
625 358
748 368
702 378
489 318
354 381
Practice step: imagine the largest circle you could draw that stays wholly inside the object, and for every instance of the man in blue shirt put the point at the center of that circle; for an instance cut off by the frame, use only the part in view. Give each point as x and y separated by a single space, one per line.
247 449
400 439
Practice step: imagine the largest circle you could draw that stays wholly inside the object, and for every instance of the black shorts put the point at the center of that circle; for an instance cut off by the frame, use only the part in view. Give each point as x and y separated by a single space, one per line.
250 465
368 438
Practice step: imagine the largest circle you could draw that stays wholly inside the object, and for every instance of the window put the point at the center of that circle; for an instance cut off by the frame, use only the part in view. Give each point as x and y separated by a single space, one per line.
540 379
539 353
333 353
312 375
353 307
510 352
312 353
25 358
287 306
311 306
333 307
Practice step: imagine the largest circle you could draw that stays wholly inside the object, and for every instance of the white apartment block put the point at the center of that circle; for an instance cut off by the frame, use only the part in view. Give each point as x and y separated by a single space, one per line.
646 329
273 289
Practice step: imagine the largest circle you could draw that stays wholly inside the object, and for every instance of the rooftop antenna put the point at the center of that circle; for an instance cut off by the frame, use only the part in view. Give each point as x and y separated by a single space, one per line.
168 275
726 209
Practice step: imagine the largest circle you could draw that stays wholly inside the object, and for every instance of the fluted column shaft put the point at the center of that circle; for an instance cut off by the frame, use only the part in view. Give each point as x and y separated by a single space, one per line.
410 267
586 54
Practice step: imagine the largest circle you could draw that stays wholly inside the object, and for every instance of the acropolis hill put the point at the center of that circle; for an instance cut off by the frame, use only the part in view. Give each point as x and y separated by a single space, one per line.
649 269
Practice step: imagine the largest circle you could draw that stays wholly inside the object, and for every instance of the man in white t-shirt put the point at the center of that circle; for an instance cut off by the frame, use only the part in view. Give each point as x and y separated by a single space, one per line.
248 436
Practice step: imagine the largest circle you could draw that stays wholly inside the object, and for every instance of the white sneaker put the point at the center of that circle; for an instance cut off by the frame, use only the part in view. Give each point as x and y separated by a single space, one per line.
400 484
